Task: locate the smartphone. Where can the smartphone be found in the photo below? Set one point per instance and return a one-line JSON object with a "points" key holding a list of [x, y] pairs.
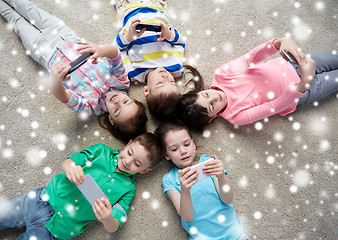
{"points": [[289, 56], [79, 62], [149, 27], [199, 167], [90, 189]]}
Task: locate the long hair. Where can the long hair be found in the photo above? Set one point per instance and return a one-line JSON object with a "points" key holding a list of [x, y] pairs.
{"points": [[193, 115], [127, 130], [164, 106]]}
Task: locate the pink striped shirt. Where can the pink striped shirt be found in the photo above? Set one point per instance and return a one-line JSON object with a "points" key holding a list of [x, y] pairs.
{"points": [[90, 83], [257, 91]]}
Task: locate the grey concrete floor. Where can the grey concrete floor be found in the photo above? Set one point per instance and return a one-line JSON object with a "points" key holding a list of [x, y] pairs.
{"points": [[284, 176]]}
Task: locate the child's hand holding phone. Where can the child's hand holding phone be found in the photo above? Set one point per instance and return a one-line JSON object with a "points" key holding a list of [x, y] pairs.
{"points": [[188, 177], [102, 209], [214, 167], [165, 33], [132, 33]]}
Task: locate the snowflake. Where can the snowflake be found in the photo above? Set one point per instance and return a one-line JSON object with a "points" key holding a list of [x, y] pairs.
{"points": [[257, 215], [301, 178], [35, 156], [146, 195]]}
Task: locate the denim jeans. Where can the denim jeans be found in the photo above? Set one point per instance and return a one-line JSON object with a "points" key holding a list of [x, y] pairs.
{"points": [[29, 211], [326, 77], [39, 31]]}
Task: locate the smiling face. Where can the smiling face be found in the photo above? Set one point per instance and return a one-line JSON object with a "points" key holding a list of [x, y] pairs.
{"points": [[160, 81], [121, 108], [134, 159], [179, 148], [212, 100]]}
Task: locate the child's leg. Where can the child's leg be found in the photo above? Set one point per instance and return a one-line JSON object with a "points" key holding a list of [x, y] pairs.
{"points": [[39, 39], [27, 211], [326, 78]]}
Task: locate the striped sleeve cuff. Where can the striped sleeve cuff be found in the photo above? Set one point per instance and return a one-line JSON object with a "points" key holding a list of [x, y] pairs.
{"points": [[121, 41]]}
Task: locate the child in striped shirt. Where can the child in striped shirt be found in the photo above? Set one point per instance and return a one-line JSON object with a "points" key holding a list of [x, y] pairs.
{"points": [[98, 88], [150, 57]]}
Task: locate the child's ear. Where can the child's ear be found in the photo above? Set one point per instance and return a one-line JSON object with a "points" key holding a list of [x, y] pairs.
{"points": [[212, 118], [130, 141], [146, 170], [145, 91], [111, 119], [166, 157]]}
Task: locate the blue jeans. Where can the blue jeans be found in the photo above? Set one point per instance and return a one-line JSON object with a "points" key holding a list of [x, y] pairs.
{"points": [[29, 211], [326, 77]]}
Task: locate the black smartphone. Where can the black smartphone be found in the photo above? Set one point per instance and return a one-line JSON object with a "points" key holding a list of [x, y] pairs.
{"points": [[79, 62], [149, 27], [289, 56]]}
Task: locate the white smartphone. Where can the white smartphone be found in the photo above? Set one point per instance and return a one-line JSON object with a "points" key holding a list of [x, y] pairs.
{"points": [[90, 189], [199, 167]]}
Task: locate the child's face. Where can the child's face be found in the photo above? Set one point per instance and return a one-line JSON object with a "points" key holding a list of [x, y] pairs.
{"points": [[120, 107], [179, 148], [134, 159], [160, 81], [211, 99]]}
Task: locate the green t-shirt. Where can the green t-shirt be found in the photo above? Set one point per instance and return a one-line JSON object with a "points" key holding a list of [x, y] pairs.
{"points": [[72, 210]]}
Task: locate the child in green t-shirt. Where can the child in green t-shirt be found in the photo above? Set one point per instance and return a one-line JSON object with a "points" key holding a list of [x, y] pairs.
{"points": [[60, 210]]}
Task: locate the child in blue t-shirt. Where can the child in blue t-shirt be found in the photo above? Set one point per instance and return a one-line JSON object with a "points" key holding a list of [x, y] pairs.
{"points": [[204, 206]]}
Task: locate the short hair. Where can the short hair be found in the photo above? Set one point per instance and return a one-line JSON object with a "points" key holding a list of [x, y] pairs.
{"points": [[193, 115], [152, 144], [163, 106], [127, 130], [166, 127]]}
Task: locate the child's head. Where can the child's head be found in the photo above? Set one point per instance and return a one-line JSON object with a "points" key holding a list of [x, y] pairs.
{"points": [[162, 93], [197, 109], [141, 154], [125, 119], [177, 142]]}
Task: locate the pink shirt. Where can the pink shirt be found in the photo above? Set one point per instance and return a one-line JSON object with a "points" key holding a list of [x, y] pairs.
{"points": [[257, 91]]}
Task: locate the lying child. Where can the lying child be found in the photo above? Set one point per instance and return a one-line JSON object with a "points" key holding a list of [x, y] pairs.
{"points": [[60, 210]]}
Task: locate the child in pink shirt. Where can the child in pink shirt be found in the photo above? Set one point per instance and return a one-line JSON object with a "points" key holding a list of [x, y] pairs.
{"points": [[243, 92]]}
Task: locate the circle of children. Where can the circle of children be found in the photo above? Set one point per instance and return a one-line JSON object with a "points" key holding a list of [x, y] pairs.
{"points": [[243, 91]]}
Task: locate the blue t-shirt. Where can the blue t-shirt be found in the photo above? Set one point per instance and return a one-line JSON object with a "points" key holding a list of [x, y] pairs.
{"points": [[213, 219]]}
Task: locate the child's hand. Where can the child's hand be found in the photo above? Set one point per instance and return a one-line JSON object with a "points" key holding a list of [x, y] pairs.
{"points": [[98, 51], [165, 33], [187, 177], [214, 167], [102, 209], [307, 72], [59, 72], [75, 174], [289, 45], [132, 34]]}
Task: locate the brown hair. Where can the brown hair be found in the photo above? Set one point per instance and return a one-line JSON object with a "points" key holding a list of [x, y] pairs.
{"points": [[195, 116], [166, 127], [152, 144], [127, 130], [164, 106]]}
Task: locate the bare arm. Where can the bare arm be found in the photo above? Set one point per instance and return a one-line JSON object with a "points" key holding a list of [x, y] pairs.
{"points": [[58, 75], [99, 51], [221, 182], [182, 200], [102, 209]]}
